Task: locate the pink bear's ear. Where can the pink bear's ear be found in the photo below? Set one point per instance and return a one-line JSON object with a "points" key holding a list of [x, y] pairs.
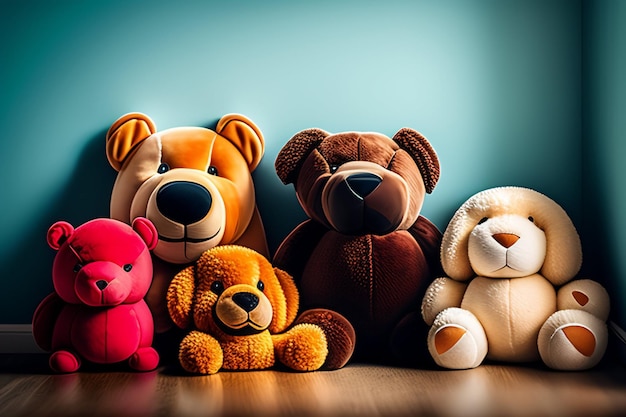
{"points": [[58, 234], [146, 229]]}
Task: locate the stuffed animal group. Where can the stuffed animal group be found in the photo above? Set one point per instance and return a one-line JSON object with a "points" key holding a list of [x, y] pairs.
{"points": [[366, 277]]}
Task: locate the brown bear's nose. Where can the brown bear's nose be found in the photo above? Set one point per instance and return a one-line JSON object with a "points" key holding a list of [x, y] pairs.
{"points": [[363, 184], [184, 202], [506, 239], [246, 300]]}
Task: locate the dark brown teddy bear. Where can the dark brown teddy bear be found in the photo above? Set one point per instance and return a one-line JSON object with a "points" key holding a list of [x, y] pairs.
{"points": [[365, 252]]}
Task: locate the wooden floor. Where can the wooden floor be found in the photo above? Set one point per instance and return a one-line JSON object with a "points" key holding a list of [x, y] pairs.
{"points": [[28, 389]]}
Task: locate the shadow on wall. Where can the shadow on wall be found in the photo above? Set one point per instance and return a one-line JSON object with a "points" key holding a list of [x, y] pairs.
{"points": [[84, 197]]}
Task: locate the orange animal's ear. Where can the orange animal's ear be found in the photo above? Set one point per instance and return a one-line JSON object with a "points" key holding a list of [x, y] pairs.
{"points": [[422, 153], [283, 318], [125, 134], [245, 135], [180, 296], [291, 156]]}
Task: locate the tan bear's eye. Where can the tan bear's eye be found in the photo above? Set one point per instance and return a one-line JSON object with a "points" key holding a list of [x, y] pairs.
{"points": [[212, 170], [163, 168]]}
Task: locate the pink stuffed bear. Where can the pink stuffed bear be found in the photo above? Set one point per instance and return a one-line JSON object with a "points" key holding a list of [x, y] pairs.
{"points": [[101, 273]]}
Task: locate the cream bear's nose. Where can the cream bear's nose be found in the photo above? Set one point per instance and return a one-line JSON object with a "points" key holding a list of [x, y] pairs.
{"points": [[506, 239]]}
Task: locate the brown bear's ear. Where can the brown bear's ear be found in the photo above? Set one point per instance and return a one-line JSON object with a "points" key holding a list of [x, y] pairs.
{"points": [[180, 296], [423, 153], [124, 134], [245, 135], [291, 156], [58, 233], [292, 302]]}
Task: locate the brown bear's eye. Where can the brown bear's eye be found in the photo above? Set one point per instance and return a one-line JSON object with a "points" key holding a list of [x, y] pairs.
{"points": [[260, 286], [333, 168], [128, 267], [217, 287], [163, 168], [77, 267], [212, 170], [484, 219]]}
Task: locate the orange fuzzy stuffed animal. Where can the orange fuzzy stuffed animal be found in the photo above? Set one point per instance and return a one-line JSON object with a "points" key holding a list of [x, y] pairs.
{"points": [[239, 309], [193, 183]]}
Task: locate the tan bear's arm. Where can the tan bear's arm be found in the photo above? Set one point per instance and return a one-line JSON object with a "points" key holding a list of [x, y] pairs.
{"points": [[441, 293], [586, 295]]}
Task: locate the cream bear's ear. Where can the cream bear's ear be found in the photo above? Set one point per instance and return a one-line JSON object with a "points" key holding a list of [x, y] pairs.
{"points": [[125, 134], [291, 156], [180, 296], [454, 246], [245, 135]]}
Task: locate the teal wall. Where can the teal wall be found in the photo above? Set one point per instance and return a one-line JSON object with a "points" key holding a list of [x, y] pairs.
{"points": [[495, 85], [604, 144]]}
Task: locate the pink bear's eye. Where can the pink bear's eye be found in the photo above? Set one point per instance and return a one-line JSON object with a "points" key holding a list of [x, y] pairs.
{"points": [[128, 267], [77, 267]]}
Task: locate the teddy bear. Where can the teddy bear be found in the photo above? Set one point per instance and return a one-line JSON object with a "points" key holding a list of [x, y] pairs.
{"points": [[511, 256], [193, 183], [238, 310], [365, 250], [101, 273]]}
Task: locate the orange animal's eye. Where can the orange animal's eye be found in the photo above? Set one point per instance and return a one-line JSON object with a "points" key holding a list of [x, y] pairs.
{"points": [[260, 286], [217, 287]]}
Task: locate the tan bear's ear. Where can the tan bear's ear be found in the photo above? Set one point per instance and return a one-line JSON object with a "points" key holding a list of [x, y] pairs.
{"points": [[245, 135], [180, 296], [291, 156], [283, 319], [422, 152], [125, 134]]}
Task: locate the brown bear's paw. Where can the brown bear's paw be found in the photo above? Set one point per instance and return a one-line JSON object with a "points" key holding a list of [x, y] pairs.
{"points": [[572, 340], [303, 348], [201, 354], [339, 334], [457, 340]]}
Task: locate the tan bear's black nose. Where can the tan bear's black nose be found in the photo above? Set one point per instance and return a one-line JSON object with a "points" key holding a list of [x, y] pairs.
{"points": [[184, 202], [506, 239]]}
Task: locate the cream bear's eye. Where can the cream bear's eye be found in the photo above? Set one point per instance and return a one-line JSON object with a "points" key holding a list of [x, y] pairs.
{"points": [[531, 218], [163, 168], [484, 219]]}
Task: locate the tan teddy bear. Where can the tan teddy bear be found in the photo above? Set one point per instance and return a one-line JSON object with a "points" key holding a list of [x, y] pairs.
{"points": [[193, 183], [510, 254]]}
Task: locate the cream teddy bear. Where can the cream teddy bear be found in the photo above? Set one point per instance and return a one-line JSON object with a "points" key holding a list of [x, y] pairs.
{"points": [[510, 255]]}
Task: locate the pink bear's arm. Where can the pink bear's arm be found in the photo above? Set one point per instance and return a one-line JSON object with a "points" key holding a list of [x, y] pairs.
{"points": [[44, 320], [146, 324]]}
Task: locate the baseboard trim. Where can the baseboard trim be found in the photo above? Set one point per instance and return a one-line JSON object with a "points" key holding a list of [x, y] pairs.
{"points": [[17, 338]]}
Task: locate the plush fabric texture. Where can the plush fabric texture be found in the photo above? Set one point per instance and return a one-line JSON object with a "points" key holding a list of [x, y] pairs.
{"points": [[193, 183], [239, 312], [507, 252], [101, 273], [365, 252]]}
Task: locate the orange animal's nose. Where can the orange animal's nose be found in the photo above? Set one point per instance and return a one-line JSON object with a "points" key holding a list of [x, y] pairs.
{"points": [[506, 239]]}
